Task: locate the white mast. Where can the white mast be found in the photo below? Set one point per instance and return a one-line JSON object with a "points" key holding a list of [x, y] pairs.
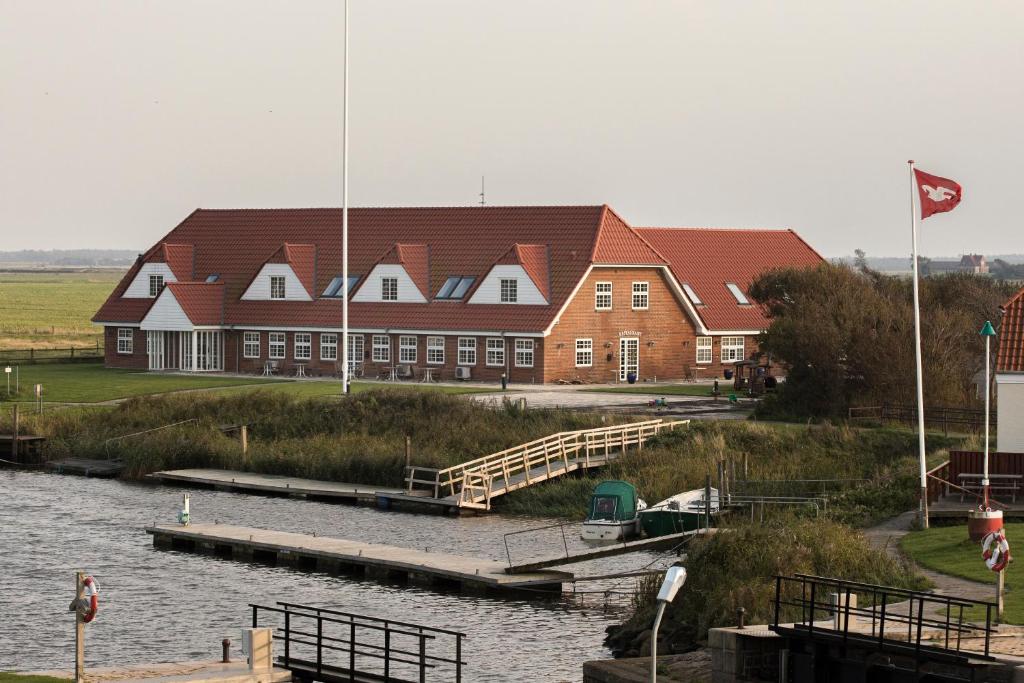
{"points": [[917, 357], [344, 222]]}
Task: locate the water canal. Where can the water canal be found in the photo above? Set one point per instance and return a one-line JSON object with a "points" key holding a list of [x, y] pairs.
{"points": [[161, 606]]}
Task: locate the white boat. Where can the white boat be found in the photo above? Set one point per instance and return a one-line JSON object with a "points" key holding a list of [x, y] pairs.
{"points": [[681, 512], [613, 512]]}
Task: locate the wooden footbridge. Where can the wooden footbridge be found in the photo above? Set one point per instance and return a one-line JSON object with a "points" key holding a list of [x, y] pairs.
{"points": [[476, 483]]}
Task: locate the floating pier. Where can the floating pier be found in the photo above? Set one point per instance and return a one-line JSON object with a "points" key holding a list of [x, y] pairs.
{"points": [[271, 484], [87, 468], [336, 555]]}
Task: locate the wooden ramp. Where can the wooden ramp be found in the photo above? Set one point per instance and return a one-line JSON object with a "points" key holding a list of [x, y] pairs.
{"points": [[342, 556], [476, 483], [656, 543], [272, 484]]}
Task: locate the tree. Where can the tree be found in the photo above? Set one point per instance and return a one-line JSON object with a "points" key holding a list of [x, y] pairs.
{"points": [[860, 260]]}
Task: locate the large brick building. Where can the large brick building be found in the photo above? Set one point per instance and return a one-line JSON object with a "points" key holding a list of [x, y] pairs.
{"points": [[539, 293]]}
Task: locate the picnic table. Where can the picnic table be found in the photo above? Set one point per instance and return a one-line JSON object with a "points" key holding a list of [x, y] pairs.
{"points": [[998, 484]]}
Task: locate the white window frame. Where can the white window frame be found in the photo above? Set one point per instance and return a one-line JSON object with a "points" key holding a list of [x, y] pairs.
{"points": [[328, 346], [524, 353], [731, 350], [692, 295], [156, 283], [388, 288], [737, 293], [277, 340], [251, 345], [467, 351], [302, 343], [705, 350], [508, 289], [435, 350], [407, 349], [356, 341], [278, 279], [494, 352], [585, 353], [125, 341], [641, 299], [381, 348], [600, 296]]}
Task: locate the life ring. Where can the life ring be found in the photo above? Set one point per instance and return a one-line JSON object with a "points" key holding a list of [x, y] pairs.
{"points": [[996, 551], [91, 593]]}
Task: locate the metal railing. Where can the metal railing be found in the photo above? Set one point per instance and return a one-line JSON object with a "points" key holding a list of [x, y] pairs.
{"points": [[936, 626], [475, 482], [334, 646]]}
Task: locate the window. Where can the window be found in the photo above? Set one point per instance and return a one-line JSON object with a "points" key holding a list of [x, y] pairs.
{"points": [[732, 349], [156, 283], [125, 340], [640, 296], [381, 348], [495, 351], [524, 353], [703, 349], [692, 295], [303, 345], [435, 350], [328, 346], [467, 350], [584, 353], [334, 287], [603, 296], [389, 289], [509, 291], [277, 286], [276, 345], [212, 277], [407, 349], [356, 349], [251, 345], [741, 298], [455, 287]]}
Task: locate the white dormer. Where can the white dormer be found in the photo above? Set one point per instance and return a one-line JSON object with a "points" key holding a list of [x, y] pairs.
{"points": [[389, 282], [149, 281], [508, 284], [166, 314], [276, 281]]}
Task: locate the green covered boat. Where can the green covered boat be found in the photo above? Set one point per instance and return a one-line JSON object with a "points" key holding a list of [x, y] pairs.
{"points": [[612, 514], [682, 512]]}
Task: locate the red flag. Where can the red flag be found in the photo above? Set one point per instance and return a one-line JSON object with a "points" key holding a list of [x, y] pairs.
{"points": [[937, 194]]}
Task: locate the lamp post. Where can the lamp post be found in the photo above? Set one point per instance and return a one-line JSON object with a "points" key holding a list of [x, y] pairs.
{"points": [[984, 520], [675, 577]]}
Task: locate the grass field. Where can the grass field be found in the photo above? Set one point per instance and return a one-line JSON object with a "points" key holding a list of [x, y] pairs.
{"points": [[946, 549], [46, 310], [92, 383], [10, 677]]}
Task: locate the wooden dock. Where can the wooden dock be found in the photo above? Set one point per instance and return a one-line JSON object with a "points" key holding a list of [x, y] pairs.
{"points": [[610, 550], [340, 556], [272, 484], [87, 468]]}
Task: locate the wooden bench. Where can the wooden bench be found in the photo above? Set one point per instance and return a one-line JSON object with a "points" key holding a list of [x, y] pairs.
{"points": [[998, 484]]}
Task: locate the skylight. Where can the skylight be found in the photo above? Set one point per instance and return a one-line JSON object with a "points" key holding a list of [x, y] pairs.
{"points": [[213, 277], [455, 287], [692, 295], [741, 298], [333, 290]]}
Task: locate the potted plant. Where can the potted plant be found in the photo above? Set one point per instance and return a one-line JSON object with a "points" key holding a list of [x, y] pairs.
{"points": [[631, 377]]}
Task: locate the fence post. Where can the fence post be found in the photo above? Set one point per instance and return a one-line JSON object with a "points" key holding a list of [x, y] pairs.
{"points": [[14, 436], [423, 658]]}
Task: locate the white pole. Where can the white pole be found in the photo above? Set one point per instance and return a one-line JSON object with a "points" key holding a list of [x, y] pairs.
{"points": [[984, 481], [344, 221], [654, 640], [917, 356]]}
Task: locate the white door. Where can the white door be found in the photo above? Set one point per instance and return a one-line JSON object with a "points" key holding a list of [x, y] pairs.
{"points": [[155, 349], [629, 357]]}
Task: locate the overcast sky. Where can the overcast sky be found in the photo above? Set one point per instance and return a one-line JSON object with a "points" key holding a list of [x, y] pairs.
{"points": [[118, 118]]}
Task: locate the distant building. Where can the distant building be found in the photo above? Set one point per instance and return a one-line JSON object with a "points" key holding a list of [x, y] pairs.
{"points": [[1010, 378], [540, 294], [968, 263]]}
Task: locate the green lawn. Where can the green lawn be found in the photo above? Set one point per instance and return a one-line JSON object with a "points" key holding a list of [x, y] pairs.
{"points": [[10, 677], [946, 549], [92, 383], [663, 389]]}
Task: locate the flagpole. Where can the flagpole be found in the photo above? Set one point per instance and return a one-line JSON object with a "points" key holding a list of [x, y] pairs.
{"points": [[917, 356], [344, 222]]}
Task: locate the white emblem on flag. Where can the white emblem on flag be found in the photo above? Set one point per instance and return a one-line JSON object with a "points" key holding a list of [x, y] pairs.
{"points": [[938, 194]]}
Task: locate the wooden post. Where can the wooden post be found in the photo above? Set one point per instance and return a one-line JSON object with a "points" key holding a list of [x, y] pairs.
{"points": [[14, 436], [999, 594], [408, 452], [707, 502], [79, 629], [243, 434], [721, 481], [746, 475]]}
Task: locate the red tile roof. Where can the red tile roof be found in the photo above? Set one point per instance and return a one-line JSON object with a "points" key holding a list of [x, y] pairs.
{"points": [[1010, 355], [617, 243], [708, 258], [302, 259], [534, 260], [203, 302], [178, 258], [415, 259]]}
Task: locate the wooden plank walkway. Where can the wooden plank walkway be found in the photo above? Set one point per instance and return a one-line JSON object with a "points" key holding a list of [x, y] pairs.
{"points": [[950, 507], [343, 556], [272, 484], [656, 543]]}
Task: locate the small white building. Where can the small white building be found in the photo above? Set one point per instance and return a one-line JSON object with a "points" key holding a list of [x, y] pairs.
{"points": [[1010, 378]]}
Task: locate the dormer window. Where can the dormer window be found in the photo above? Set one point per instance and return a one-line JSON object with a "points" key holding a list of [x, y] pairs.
{"points": [[213, 277], [156, 283], [692, 295], [509, 291], [334, 289], [455, 287], [741, 298], [389, 289], [277, 286]]}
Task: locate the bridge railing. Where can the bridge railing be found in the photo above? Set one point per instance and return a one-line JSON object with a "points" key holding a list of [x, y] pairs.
{"points": [[333, 646], [477, 480]]}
